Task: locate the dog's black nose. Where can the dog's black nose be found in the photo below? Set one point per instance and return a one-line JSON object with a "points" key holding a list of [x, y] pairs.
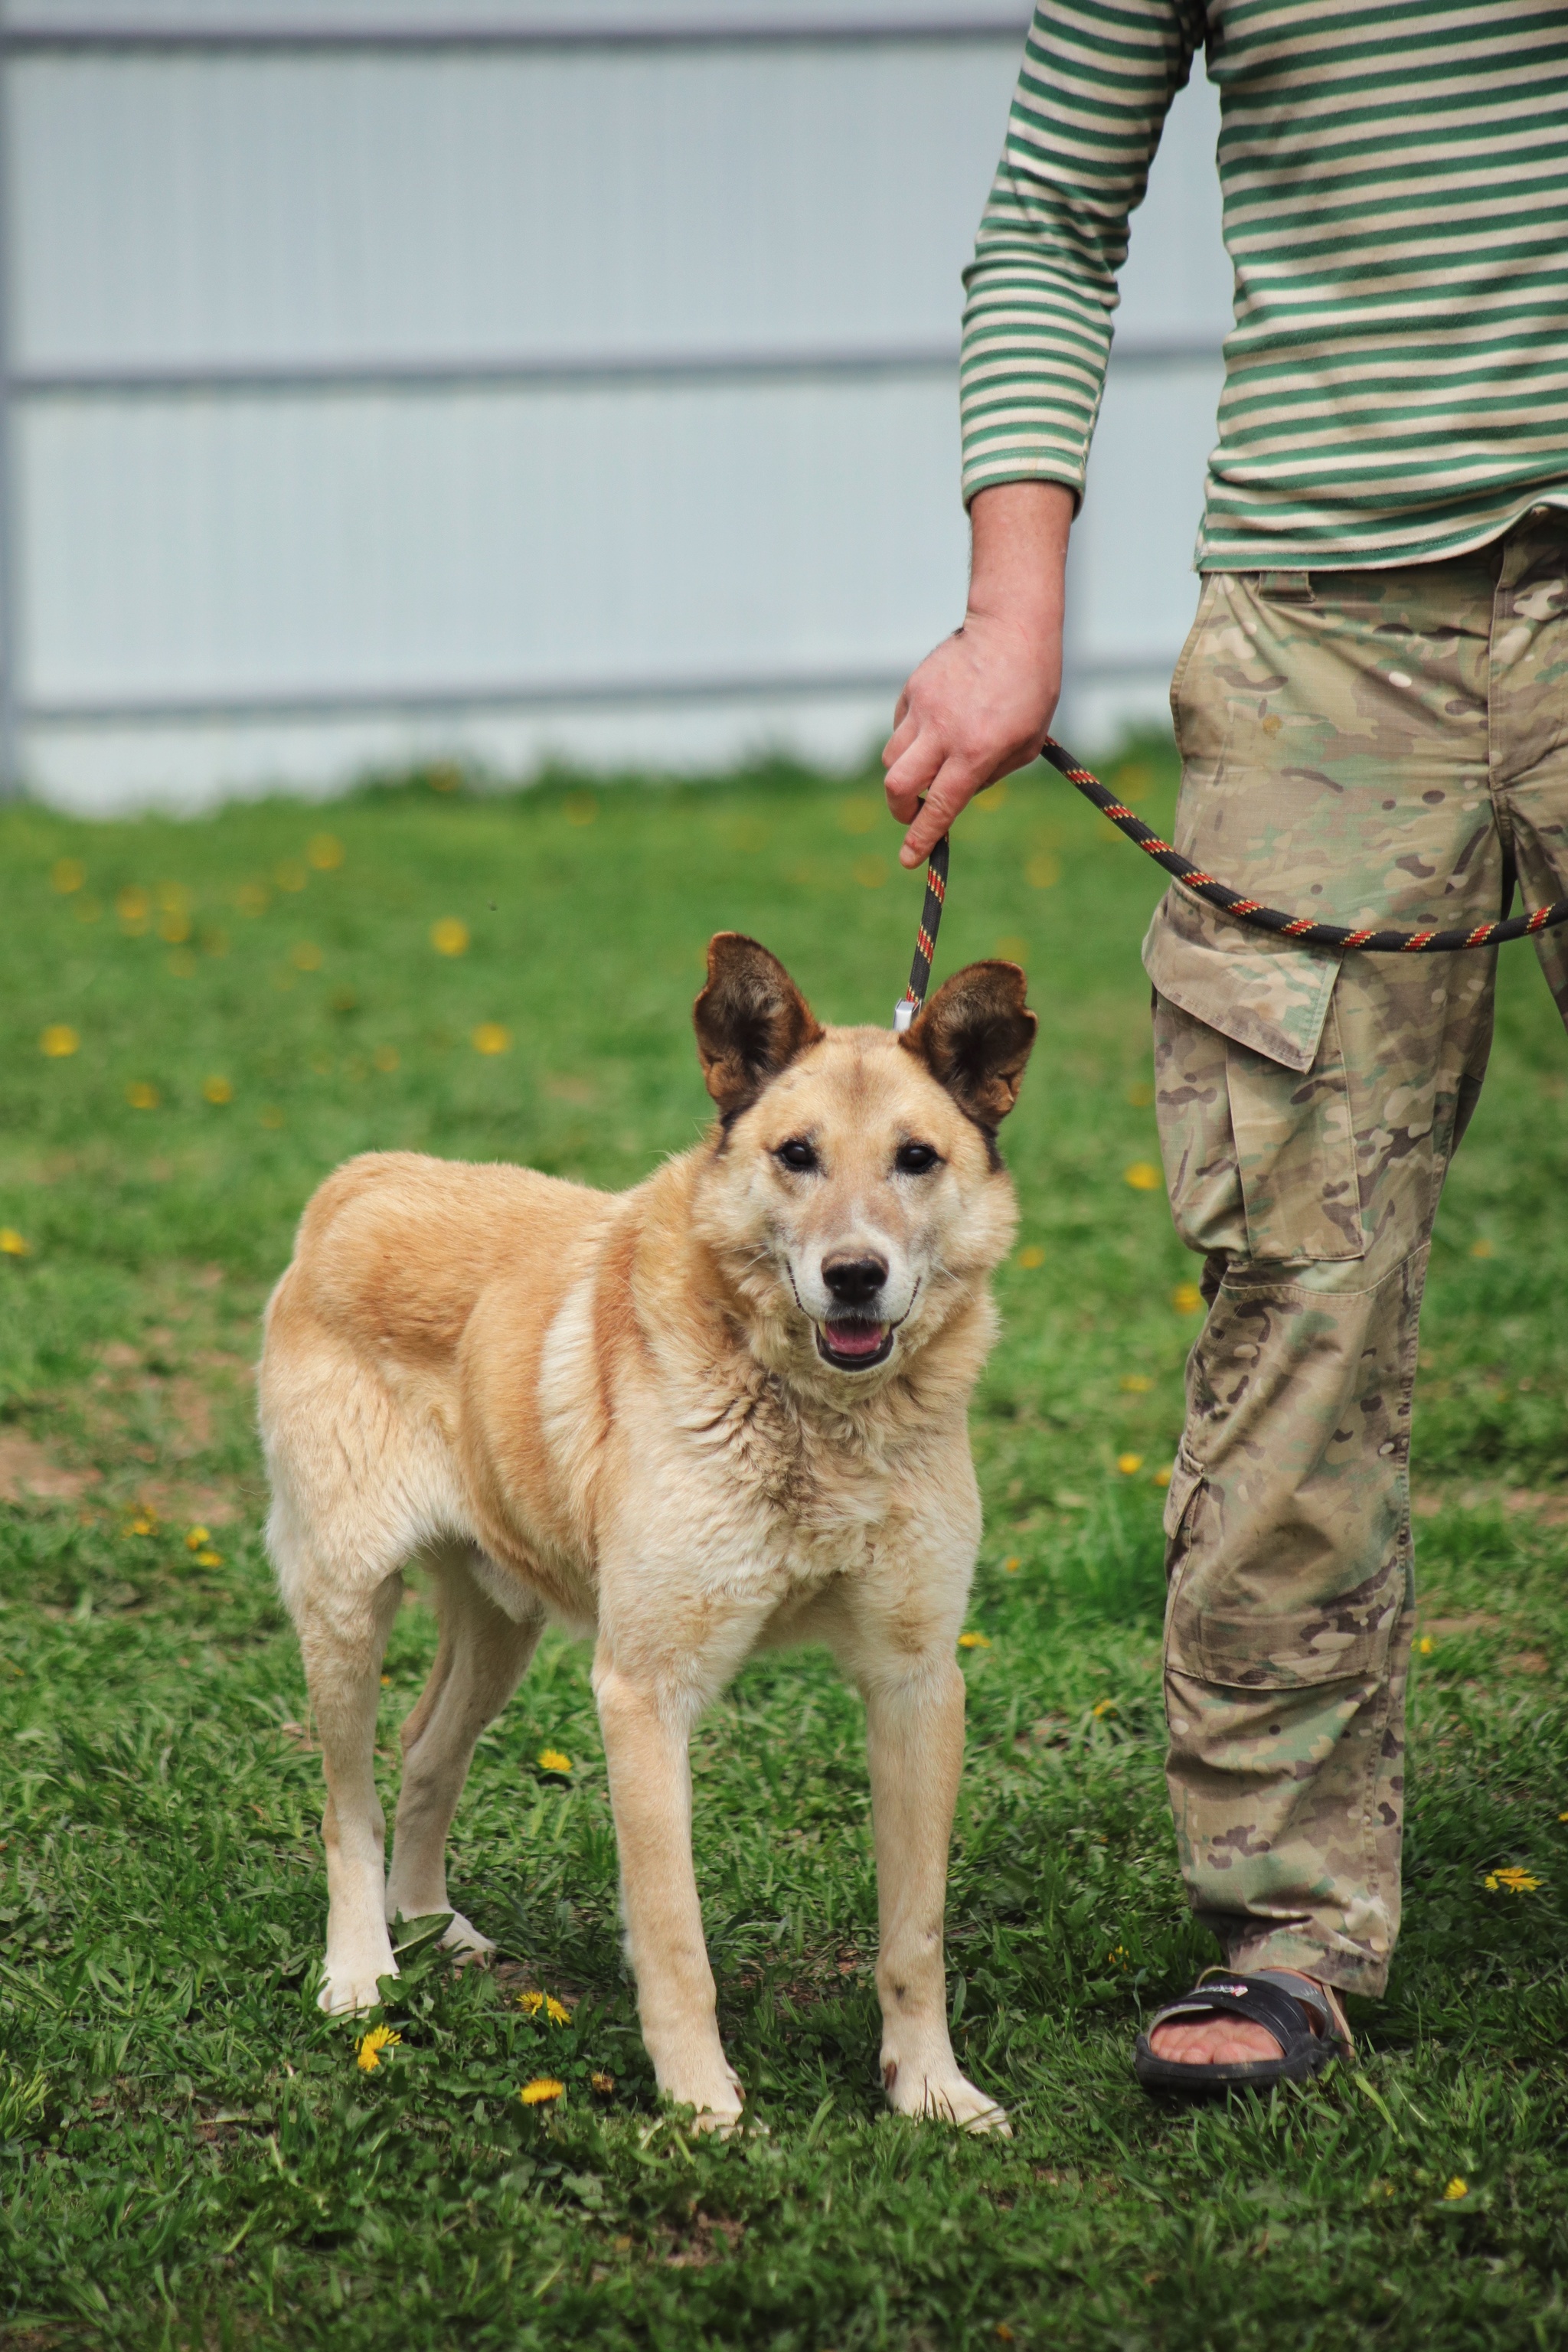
{"points": [[854, 1280]]}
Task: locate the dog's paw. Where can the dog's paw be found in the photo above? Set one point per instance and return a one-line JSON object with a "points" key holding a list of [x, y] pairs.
{"points": [[944, 2093], [349, 1991], [464, 1938], [716, 2099]]}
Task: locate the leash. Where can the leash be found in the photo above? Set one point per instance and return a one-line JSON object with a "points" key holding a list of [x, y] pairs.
{"points": [[1304, 929]]}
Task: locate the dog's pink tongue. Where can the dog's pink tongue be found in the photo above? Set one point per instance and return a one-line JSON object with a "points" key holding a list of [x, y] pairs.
{"points": [[854, 1339]]}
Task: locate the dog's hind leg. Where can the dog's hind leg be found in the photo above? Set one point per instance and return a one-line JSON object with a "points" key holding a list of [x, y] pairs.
{"points": [[483, 1652], [343, 1635]]}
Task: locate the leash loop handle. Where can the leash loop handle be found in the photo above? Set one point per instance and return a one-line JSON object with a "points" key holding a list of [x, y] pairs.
{"points": [[1303, 930]]}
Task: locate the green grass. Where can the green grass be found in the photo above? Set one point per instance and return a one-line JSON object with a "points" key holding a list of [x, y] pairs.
{"points": [[191, 2155]]}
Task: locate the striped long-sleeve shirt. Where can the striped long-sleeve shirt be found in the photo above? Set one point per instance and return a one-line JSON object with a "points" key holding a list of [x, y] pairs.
{"points": [[1396, 188]]}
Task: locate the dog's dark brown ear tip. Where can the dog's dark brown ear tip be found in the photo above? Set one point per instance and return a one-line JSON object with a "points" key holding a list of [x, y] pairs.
{"points": [[750, 1021], [975, 1036]]}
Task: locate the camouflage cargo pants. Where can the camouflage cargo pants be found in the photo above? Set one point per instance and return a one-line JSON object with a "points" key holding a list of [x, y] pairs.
{"points": [[1387, 747]]}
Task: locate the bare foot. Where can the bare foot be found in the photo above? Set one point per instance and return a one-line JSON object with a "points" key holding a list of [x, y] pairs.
{"points": [[1224, 2040]]}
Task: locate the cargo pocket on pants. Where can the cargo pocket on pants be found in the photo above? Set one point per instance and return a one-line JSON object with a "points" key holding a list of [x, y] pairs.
{"points": [[1295, 1155], [1345, 1640]]}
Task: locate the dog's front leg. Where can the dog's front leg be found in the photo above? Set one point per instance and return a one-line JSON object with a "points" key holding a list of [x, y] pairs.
{"points": [[647, 1751], [914, 1735]]}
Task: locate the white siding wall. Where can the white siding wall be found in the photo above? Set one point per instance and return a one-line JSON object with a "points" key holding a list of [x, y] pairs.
{"points": [[707, 495]]}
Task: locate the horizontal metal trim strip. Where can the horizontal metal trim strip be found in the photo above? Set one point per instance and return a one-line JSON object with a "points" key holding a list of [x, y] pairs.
{"points": [[1121, 669], [248, 381], [1005, 23], [423, 376], [440, 701]]}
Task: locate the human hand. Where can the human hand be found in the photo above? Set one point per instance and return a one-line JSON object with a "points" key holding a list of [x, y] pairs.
{"points": [[980, 705]]}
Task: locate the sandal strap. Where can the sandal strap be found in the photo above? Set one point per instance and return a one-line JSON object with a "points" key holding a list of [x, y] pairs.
{"points": [[1269, 1999]]}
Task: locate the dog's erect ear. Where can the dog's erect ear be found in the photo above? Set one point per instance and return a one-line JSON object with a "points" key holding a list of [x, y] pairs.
{"points": [[975, 1036], [750, 1021]]}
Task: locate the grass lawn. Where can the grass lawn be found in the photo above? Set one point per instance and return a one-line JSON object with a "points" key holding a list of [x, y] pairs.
{"points": [[191, 2155]]}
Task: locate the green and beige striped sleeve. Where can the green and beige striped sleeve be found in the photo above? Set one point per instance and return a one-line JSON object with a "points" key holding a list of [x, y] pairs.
{"points": [[1097, 79]]}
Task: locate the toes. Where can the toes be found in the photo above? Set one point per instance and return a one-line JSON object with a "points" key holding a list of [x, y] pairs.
{"points": [[342, 1995], [463, 1936]]}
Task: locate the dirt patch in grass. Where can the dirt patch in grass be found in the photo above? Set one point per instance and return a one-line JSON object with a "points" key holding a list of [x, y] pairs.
{"points": [[30, 1473]]}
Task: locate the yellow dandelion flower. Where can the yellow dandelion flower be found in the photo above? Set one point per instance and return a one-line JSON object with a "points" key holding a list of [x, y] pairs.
{"points": [[555, 2011], [68, 873], [1031, 1256], [543, 2088], [305, 956], [1163, 1476], [209, 1558], [1186, 1298], [141, 1095], [601, 2083], [218, 1090], [489, 1037], [174, 928], [11, 1242], [1011, 1565], [367, 2054], [1043, 872], [1102, 1708], [1136, 1384], [444, 778], [1117, 1958], [324, 851], [133, 904], [251, 898], [1425, 1645], [581, 808], [550, 1759], [1011, 947], [385, 1057], [449, 937], [1562, 1817], [1130, 1464], [197, 1537], [974, 1641], [59, 1040], [271, 1116], [1511, 1881], [1455, 2190], [1483, 1248], [1144, 1176], [870, 873]]}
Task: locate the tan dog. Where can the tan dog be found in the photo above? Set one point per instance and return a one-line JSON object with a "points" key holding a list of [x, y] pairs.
{"points": [[726, 1409]]}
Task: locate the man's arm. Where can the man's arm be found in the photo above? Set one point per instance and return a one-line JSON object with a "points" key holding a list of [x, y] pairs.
{"points": [[978, 707], [1097, 82]]}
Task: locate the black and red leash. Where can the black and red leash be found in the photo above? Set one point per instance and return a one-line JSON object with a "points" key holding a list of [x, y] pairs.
{"points": [[1304, 930]]}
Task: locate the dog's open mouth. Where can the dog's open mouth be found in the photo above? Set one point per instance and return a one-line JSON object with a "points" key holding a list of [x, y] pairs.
{"points": [[852, 1344]]}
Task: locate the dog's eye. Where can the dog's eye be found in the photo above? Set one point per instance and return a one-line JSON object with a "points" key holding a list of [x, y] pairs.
{"points": [[796, 1154], [915, 1159]]}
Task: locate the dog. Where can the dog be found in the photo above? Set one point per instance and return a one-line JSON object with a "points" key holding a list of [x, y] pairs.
{"points": [[725, 1410]]}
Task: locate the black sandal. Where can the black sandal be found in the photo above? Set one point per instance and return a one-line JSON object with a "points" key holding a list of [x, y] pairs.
{"points": [[1270, 1998]]}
